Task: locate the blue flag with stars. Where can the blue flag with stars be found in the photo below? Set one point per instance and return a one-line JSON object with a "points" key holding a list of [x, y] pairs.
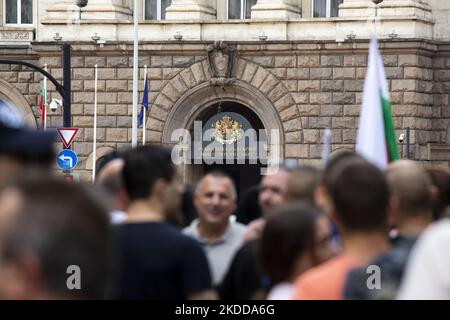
{"points": [[144, 105]]}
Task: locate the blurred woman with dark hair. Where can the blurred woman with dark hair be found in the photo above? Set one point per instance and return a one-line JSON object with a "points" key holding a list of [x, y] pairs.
{"points": [[297, 237]]}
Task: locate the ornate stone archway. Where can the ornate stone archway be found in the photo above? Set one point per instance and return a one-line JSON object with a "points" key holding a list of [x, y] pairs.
{"points": [[10, 94], [194, 89], [195, 101], [190, 106]]}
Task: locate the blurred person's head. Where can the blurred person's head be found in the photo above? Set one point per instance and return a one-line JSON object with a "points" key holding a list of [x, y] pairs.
{"points": [[48, 228], [322, 195], [151, 177], [249, 209], [360, 197], [411, 193], [302, 184], [111, 178], [296, 238], [273, 190], [187, 208], [446, 213], [440, 178], [22, 148], [215, 200], [107, 158]]}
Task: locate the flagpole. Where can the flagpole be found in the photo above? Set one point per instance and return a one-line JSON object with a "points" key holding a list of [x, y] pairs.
{"points": [[326, 146], [45, 100], [145, 110], [376, 2], [135, 76], [375, 21], [94, 153]]}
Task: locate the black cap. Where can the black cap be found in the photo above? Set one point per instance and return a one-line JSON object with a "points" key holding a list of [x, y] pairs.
{"points": [[18, 139]]}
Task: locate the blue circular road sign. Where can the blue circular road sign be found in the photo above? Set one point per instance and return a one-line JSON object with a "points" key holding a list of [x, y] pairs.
{"points": [[66, 159]]}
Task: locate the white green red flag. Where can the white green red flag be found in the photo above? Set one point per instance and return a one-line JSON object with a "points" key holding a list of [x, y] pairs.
{"points": [[43, 103], [376, 135]]}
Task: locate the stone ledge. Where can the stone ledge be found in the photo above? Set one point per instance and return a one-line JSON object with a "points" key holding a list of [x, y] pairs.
{"points": [[438, 151], [406, 26], [49, 21], [249, 49]]}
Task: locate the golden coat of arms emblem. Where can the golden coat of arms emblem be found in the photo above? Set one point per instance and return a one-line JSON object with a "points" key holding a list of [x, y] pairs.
{"points": [[226, 130]]}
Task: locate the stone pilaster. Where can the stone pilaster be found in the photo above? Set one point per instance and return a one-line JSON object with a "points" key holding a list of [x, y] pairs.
{"points": [[394, 19], [190, 10], [276, 9], [95, 10], [388, 8], [357, 8], [107, 9]]}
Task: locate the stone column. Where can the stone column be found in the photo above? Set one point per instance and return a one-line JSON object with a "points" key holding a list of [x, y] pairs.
{"points": [[395, 19], [107, 9], [62, 10], [366, 8], [190, 10], [95, 10], [355, 8], [276, 9]]}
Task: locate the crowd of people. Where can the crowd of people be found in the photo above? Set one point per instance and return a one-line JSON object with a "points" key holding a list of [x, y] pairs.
{"points": [[344, 231]]}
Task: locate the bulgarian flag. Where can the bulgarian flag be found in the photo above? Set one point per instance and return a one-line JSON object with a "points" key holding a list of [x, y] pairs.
{"points": [[43, 103], [376, 135]]}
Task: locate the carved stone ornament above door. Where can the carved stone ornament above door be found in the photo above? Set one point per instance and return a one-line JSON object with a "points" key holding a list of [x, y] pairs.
{"points": [[221, 59]]}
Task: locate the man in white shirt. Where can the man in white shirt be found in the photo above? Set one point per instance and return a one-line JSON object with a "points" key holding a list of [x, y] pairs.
{"points": [[428, 271], [220, 236]]}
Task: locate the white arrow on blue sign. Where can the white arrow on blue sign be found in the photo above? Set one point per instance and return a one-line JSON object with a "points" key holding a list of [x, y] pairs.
{"points": [[66, 159]]}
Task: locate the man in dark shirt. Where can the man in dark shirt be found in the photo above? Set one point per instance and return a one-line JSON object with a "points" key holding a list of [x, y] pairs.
{"points": [[411, 212], [158, 261], [244, 279]]}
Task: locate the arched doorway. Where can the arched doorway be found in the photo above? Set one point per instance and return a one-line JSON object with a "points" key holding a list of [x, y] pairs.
{"points": [[201, 102], [11, 95], [243, 163]]}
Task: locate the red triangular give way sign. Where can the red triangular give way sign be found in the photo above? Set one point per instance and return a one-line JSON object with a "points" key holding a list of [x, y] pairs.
{"points": [[67, 135]]}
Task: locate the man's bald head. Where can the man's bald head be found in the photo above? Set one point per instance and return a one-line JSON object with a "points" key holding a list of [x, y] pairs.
{"points": [[111, 178], [274, 190], [215, 199], [111, 175], [411, 188], [220, 176]]}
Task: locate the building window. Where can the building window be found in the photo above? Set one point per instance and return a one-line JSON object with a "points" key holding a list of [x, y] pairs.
{"points": [[326, 8], [155, 9], [240, 9], [18, 11]]}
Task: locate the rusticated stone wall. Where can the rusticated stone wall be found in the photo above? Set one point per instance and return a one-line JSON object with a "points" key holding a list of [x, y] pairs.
{"points": [[312, 86]]}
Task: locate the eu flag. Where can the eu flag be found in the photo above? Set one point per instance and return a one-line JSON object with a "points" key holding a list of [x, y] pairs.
{"points": [[144, 105]]}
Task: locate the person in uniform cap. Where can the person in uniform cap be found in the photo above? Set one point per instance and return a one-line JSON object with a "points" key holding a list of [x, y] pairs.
{"points": [[22, 147]]}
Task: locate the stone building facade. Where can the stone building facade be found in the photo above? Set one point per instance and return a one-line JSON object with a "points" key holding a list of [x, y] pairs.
{"points": [[293, 72]]}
